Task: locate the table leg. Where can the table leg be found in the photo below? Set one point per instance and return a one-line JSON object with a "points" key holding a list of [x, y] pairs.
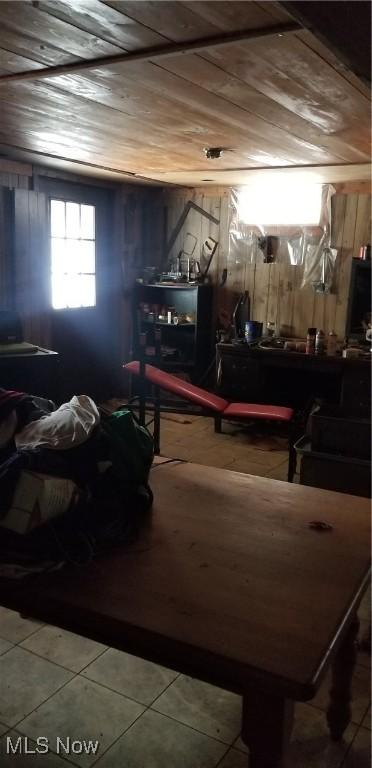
{"points": [[266, 728], [339, 710]]}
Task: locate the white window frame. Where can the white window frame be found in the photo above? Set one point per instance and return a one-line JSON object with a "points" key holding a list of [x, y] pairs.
{"points": [[72, 273]]}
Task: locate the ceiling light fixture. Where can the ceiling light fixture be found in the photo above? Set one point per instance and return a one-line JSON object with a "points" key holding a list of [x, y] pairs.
{"points": [[213, 153]]}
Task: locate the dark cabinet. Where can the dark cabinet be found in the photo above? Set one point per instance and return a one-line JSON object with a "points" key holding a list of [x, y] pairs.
{"points": [[288, 378], [185, 345], [359, 304]]}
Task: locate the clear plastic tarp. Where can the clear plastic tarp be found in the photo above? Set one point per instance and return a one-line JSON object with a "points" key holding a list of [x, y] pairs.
{"points": [[289, 226]]}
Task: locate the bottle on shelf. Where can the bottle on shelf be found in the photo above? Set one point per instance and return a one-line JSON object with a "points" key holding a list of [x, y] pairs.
{"points": [[310, 341], [332, 344], [270, 329], [320, 342]]}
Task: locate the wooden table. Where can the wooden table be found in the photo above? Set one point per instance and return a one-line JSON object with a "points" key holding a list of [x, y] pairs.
{"points": [[36, 373], [229, 584]]}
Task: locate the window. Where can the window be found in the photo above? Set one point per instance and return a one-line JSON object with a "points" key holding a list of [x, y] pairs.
{"points": [[73, 254], [280, 204]]}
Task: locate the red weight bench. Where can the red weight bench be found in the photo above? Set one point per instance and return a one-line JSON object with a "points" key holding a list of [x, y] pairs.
{"points": [[212, 405]]}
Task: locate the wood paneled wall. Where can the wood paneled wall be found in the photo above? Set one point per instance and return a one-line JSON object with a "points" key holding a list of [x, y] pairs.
{"points": [[14, 175], [274, 289], [6, 250], [137, 240]]}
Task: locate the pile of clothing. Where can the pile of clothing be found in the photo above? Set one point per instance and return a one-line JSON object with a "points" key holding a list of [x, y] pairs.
{"points": [[71, 483]]}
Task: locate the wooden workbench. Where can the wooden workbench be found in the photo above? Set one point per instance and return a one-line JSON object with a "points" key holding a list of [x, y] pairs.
{"points": [[255, 374], [228, 583]]}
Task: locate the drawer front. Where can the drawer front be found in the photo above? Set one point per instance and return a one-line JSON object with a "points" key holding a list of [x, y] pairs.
{"points": [[239, 379]]}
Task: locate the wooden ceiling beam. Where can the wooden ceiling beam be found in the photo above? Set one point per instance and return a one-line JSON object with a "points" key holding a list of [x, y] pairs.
{"points": [[154, 53]]}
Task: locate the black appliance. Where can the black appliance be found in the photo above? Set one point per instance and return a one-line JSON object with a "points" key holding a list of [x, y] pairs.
{"points": [[10, 327]]}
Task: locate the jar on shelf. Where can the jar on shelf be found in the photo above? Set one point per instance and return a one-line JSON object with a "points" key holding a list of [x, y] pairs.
{"points": [[320, 343], [270, 329], [310, 341], [332, 344]]}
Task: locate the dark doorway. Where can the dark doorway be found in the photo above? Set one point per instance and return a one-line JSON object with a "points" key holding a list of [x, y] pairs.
{"points": [[86, 337]]}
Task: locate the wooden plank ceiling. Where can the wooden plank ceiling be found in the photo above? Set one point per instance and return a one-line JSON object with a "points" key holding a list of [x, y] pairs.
{"points": [[275, 101]]}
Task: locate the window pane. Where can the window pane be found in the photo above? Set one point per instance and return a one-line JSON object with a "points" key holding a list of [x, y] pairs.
{"points": [[72, 220], [59, 291], [62, 255], [87, 225], [73, 298], [84, 256], [71, 291], [57, 218], [87, 290]]}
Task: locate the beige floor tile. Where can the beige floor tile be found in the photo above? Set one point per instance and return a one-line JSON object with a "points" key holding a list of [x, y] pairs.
{"points": [[155, 741], [169, 450], [359, 755], [200, 424], [134, 677], [213, 457], [5, 646], [209, 709], [83, 710], [175, 432], [311, 745], [187, 429], [9, 759], [26, 681], [65, 648], [236, 449], [360, 694], [234, 759], [207, 442], [280, 472], [268, 459], [14, 628], [174, 451]]}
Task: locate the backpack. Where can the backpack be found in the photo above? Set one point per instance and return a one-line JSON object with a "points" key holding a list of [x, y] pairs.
{"points": [[130, 447], [111, 510]]}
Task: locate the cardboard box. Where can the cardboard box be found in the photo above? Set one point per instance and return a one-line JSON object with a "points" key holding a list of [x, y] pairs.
{"points": [[37, 499]]}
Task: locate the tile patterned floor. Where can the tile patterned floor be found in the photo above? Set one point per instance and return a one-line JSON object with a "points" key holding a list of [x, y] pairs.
{"points": [[56, 684]]}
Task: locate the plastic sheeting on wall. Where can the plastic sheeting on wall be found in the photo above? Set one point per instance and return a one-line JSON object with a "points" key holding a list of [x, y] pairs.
{"points": [[309, 246]]}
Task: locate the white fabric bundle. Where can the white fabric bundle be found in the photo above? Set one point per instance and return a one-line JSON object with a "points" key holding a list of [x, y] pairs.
{"points": [[68, 426]]}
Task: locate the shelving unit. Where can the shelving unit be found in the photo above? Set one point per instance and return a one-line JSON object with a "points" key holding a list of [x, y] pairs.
{"points": [[185, 346]]}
